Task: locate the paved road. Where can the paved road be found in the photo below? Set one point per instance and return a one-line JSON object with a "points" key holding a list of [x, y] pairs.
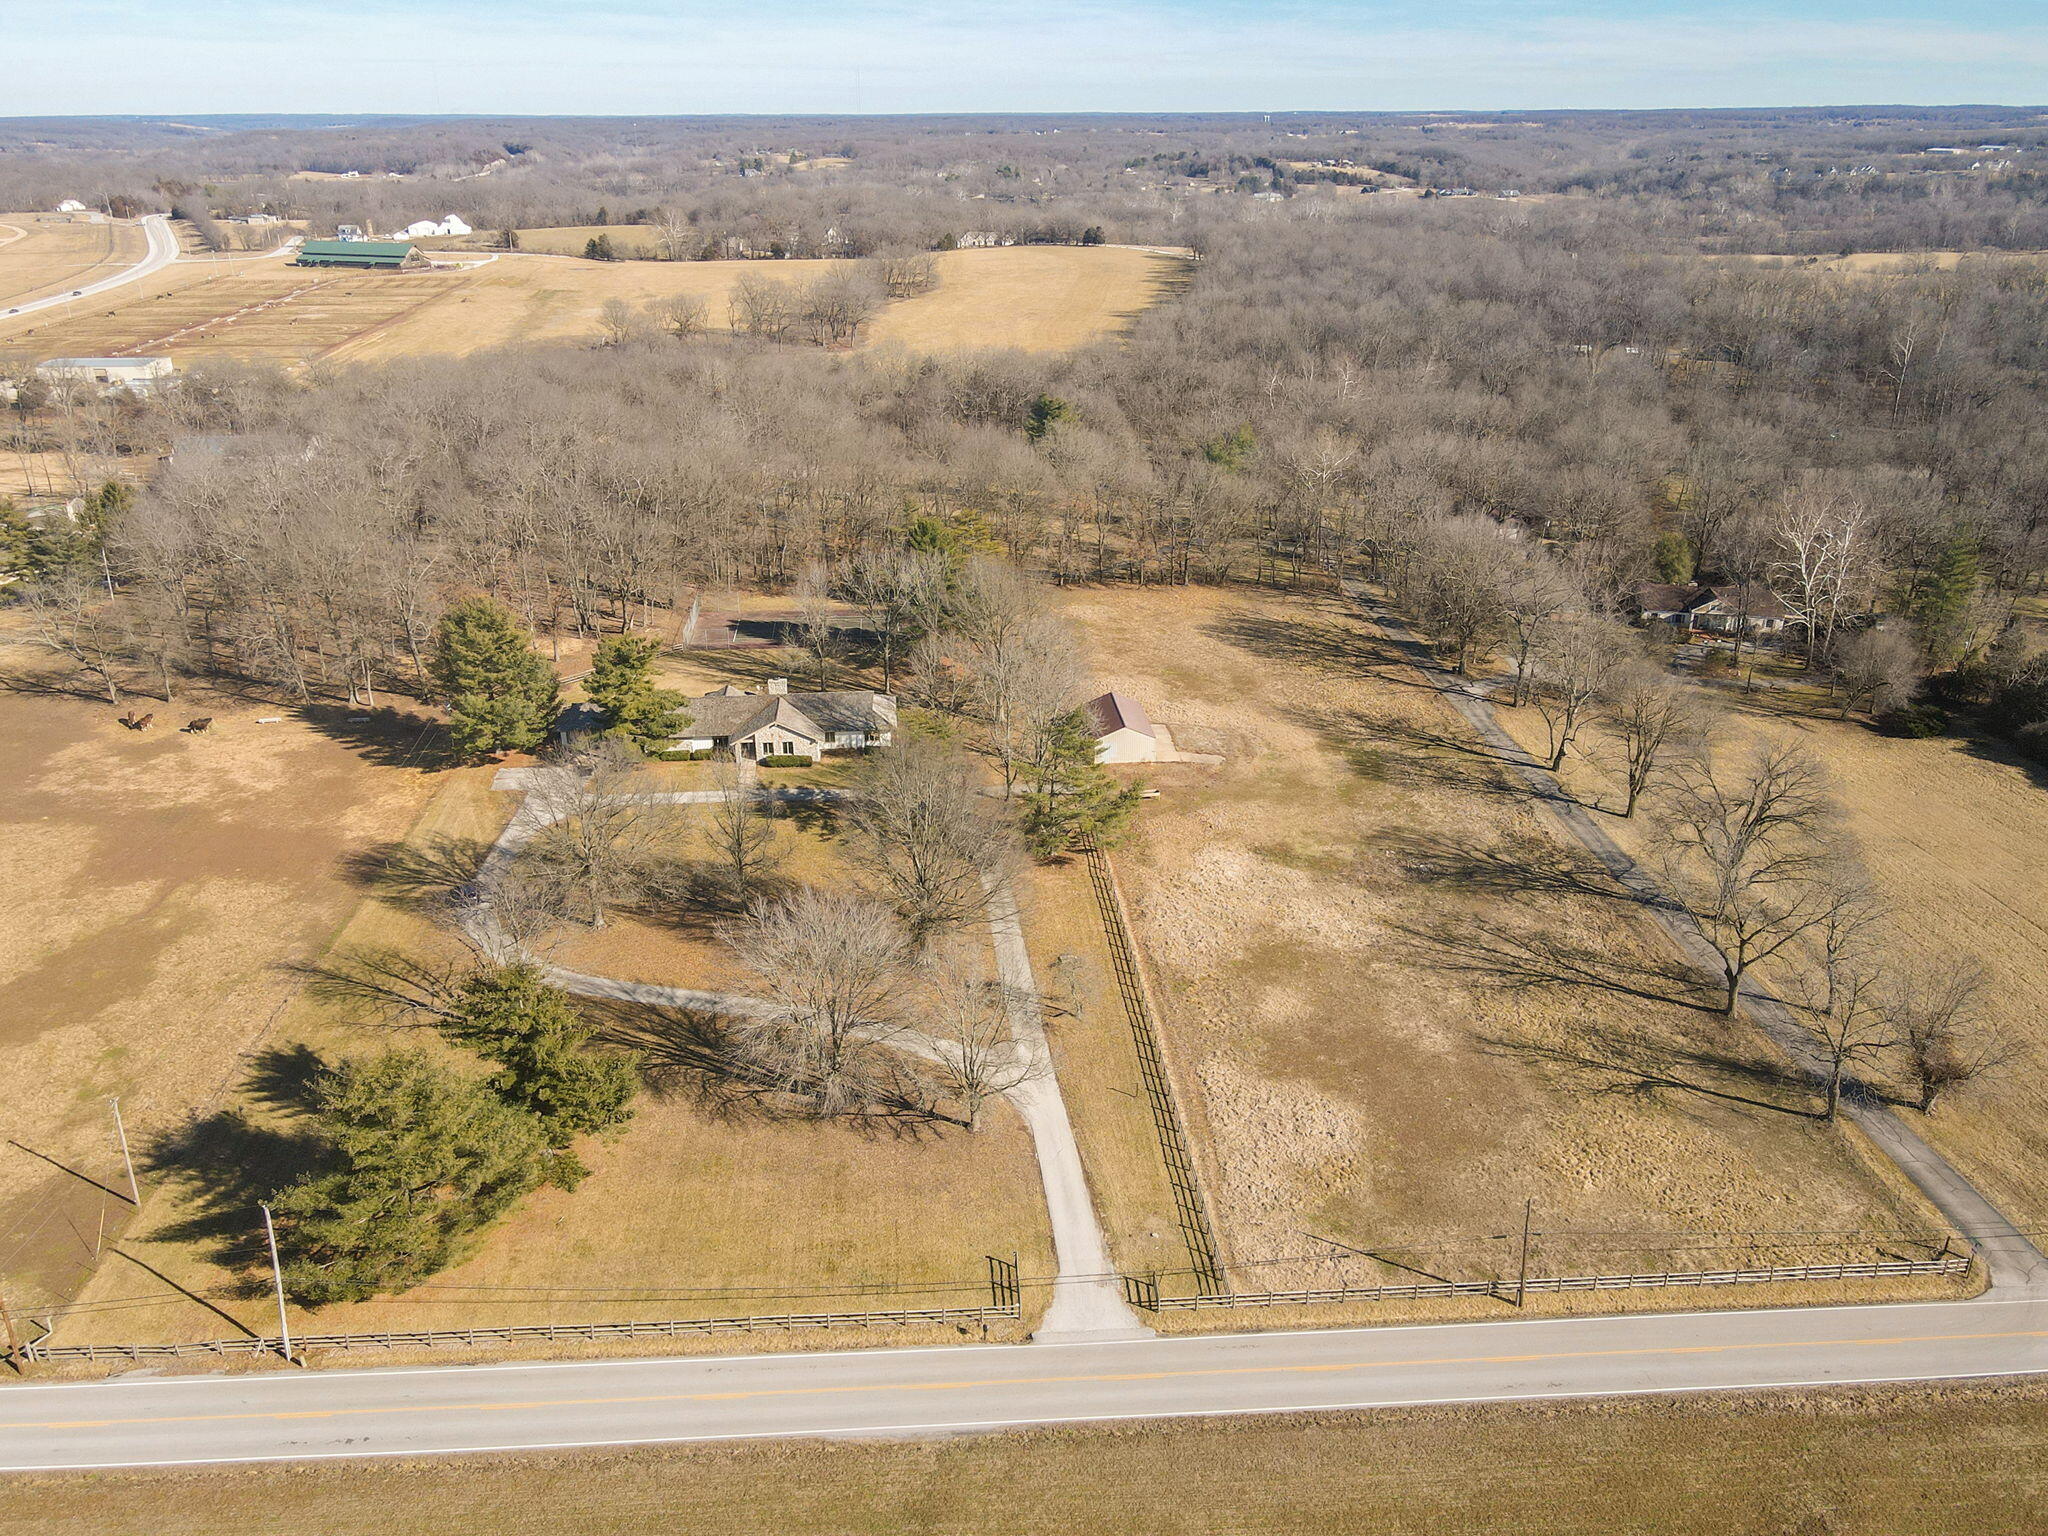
{"points": [[163, 250], [2014, 1262], [320, 1414]]}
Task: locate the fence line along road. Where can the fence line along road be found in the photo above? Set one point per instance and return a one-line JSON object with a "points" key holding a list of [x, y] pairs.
{"points": [[1189, 1204], [1143, 1292]]}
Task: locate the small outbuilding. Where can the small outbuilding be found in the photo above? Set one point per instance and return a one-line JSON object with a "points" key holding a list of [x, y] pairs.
{"points": [[1123, 732], [137, 375]]}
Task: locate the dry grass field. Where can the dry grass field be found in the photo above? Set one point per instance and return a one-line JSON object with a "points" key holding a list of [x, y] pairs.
{"points": [[46, 253], [1332, 916], [1962, 1460], [151, 887], [704, 1207], [1035, 298], [1952, 831], [1878, 263]]}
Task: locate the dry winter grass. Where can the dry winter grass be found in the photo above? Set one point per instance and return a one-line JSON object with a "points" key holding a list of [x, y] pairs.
{"points": [[1396, 1007], [704, 1207], [1037, 298], [1952, 832], [151, 887], [43, 253], [1930, 1460]]}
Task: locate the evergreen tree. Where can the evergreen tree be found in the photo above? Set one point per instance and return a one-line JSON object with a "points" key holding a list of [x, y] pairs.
{"points": [[1677, 560], [543, 1050], [17, 541], [600, 249], [1047, 412], [621, 683], [1068, 797], [501, 695], [1942, 611], [418, 1158]]}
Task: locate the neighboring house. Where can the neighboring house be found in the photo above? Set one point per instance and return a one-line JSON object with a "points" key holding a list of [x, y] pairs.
{"points": [[1122, 732], [71, 205], [376, 255], [1721, 610], [778, 723], [138, 375]]}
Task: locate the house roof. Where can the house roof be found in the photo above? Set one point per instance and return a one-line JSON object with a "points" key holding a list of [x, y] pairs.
{"points": [[728, 712], [1751, 600], [1114, 712], [1665, 596]]}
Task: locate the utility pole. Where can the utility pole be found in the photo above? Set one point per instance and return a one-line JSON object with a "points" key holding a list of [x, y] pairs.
{"points": [[13, 1339], [1522, 1279], [284, 1328], [120, 1130]]}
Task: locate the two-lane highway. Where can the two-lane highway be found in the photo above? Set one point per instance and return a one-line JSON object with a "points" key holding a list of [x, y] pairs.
{"points": [[161, 252], [435, 1410]]}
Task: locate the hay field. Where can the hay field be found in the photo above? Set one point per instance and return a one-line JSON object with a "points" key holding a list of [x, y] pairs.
{"points": [[1958, 1459], [43, 253], [1036, 298], [1952, 831], [151, 887], [1327, 915]]}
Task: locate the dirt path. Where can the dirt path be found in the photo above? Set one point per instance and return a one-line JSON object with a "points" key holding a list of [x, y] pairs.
{"points": [[2017, 1267]]}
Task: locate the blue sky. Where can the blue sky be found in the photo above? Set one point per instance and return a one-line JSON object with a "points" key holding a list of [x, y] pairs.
{"points": [[681, 56]]}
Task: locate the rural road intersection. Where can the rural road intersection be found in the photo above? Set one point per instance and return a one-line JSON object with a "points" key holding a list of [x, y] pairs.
{"points": [[314, 1415]]}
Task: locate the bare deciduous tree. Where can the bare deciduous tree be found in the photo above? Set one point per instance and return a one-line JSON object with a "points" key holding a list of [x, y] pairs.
{"points": [[1651, 715], [1753, 854], [738, 832], [1942, 1033], [1841, 999], [1575, 663], [600, 835], [70, 615], [923, 837], [835, 967], [967, 1021], [1879, 668]]}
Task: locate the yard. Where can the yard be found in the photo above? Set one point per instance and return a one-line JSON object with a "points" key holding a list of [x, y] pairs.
{"points": [[705, 1206], [1370, 954]]}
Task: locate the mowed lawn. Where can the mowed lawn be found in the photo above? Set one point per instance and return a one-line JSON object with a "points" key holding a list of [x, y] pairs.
{"points": [[1954, 833], [1328, 915], [1930, 1460], [706, 1206], [1032, 297]]}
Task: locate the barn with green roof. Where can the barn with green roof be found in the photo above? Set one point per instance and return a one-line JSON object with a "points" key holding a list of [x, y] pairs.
{"points": [[372, 255]]}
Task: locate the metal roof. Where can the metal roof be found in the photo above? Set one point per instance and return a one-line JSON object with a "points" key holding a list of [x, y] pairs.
{"points": [[1114, 712], [398, 248], [103, 362]]}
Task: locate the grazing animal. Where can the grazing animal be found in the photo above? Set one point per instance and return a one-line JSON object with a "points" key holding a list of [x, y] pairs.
{"points": [[196, 726], [143, 723], [136, 722]]}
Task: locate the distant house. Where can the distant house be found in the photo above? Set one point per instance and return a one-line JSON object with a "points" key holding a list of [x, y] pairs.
{"points": [[778, 723], [1123, 733], [371, 255], [137, 375], [71, 205], [1748, 607]]}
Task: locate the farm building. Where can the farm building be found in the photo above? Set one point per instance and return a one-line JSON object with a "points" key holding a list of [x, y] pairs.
{"points": [[426, 229], [1122, 731], [373, 255], [136, 374]]}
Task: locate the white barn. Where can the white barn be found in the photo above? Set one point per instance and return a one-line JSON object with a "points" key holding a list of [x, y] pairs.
{"points": [[426, 229], [1123, 733]]}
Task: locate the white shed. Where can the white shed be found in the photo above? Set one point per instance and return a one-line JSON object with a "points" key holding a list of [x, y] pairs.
{"points": [[1123, 734]]}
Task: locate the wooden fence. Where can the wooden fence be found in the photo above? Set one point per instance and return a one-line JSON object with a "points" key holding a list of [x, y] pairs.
{"points": [[1143, 1291], [1189, 1206]]}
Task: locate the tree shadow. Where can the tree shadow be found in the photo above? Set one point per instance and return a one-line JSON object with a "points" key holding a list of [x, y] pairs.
{"points": [[1519, 864], [384, 734], [228, 1163], [690, 1055], [1404, 752], [1540, 958], [1618, 1061], [424, 876], [1322, 644]]}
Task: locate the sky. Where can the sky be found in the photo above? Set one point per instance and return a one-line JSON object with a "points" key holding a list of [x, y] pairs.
{"points": [[88, 57]]}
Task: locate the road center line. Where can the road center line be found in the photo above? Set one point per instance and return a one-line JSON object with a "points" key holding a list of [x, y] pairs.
{"points": [[1019, 1381]]}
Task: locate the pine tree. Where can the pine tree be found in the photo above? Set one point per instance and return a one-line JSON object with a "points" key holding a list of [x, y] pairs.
{"points": [[1047, 412], [621, 683], [1068, 797], [418, 1158], [1676, 558], [1943, 610], [543, 1050], [501, 695]]}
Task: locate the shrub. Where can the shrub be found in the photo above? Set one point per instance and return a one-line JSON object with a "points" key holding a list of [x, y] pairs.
{"points": [[1917, 721], [684, 755], [2033, 740], [784, 760]]}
